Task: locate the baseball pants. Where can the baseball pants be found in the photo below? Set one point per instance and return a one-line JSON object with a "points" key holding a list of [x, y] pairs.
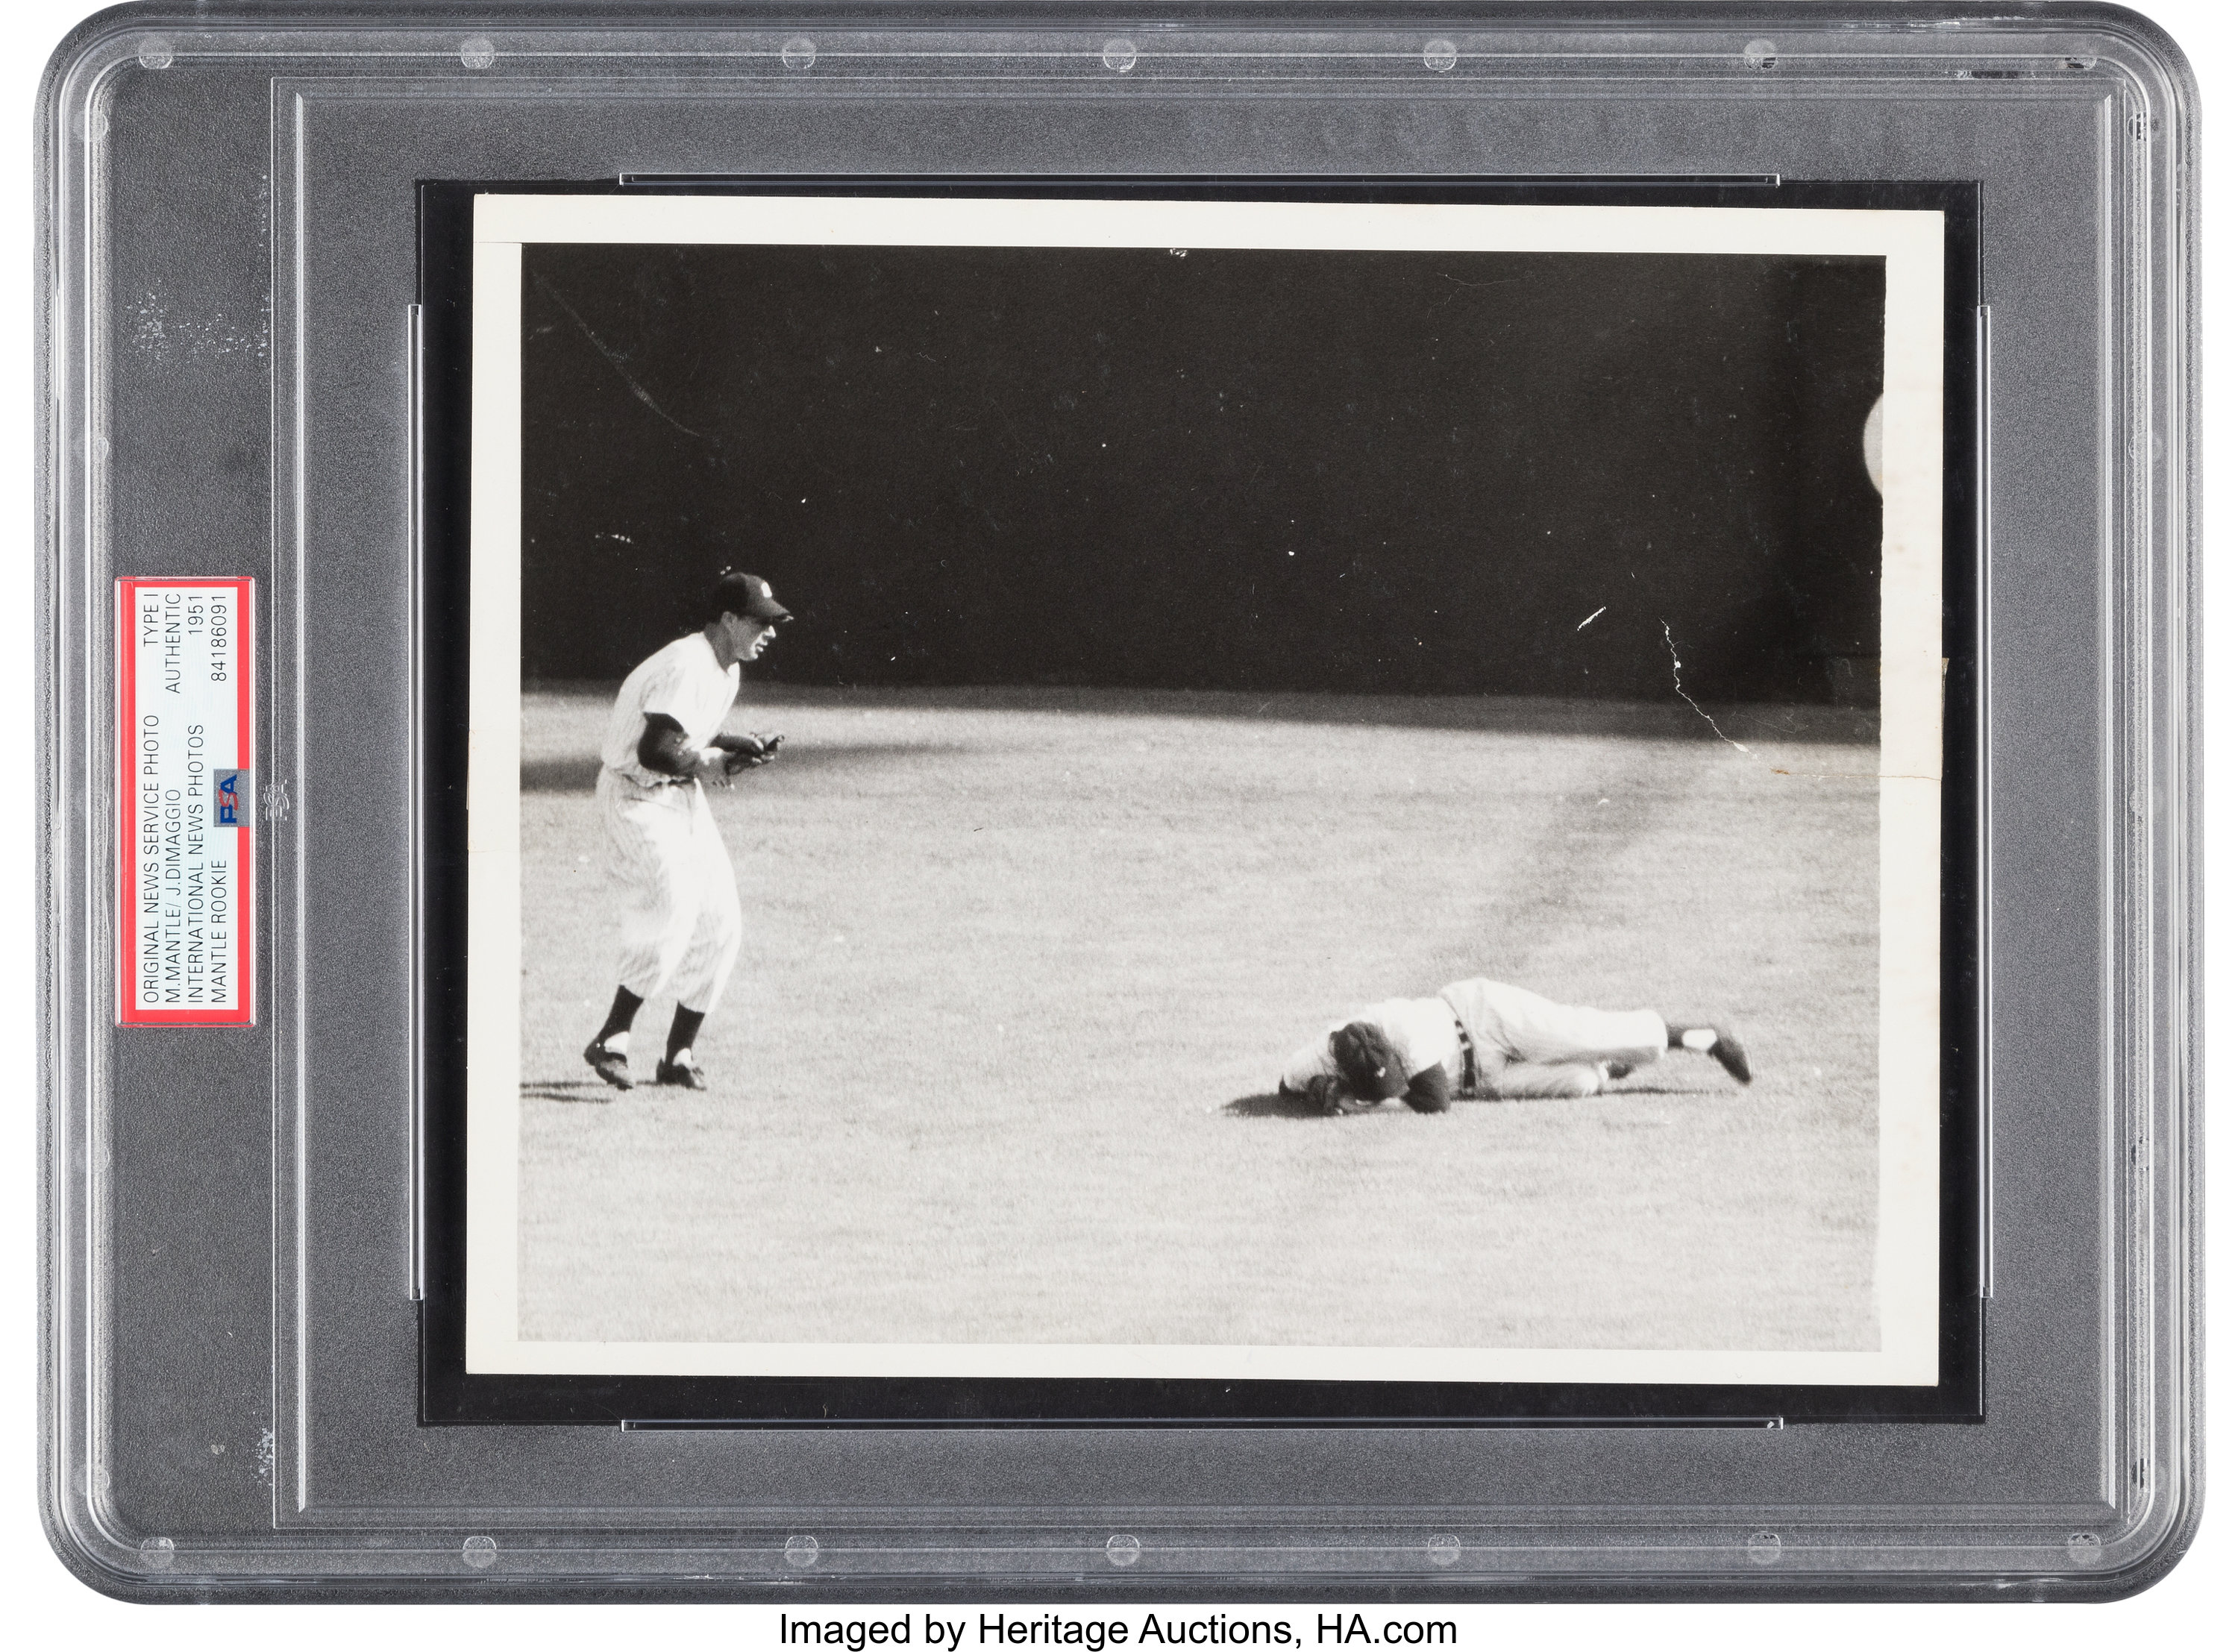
{"points": [[1529, 1046], [680, 923]]}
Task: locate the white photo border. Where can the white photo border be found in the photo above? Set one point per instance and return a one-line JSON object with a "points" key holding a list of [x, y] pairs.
{"points": [[1909, 1244]]}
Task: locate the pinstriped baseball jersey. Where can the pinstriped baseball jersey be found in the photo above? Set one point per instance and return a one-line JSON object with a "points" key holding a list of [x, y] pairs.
{"points": [[681, 918], [681, 681]]}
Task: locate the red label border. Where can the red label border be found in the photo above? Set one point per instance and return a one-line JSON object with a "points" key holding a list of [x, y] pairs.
{"points": [[128, 1015]]}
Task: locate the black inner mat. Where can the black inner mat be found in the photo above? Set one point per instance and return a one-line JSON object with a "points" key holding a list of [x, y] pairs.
{"points": [[1759, 592]]}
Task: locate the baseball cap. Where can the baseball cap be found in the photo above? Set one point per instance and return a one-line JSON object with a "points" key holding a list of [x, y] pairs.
{"points": [[745, 593], [1368, 1062]]}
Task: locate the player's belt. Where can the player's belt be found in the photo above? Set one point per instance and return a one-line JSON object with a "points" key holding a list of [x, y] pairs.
{"points": [[1468, 1050], [658, 782]]}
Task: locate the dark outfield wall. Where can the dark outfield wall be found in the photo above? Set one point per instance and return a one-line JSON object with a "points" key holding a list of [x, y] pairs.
{"points": [[1382, 472]]}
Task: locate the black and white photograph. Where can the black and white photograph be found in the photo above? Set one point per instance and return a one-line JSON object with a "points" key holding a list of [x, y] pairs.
{"points": [[1205, 789]]}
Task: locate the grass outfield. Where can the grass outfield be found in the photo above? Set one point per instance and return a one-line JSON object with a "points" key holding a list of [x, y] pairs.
{"points": [[1020, 968]]}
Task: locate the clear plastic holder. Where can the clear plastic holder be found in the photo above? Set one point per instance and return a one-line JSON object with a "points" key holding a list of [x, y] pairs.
{"points": [[232, 1216]]}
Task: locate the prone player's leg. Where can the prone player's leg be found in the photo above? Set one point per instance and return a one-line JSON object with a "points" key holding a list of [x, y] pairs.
{"points": [[1534, 1081], [1541, 1030], [1535, 1029]]}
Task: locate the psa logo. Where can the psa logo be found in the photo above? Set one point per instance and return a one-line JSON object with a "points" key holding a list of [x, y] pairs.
{"points": [[232, 796]]}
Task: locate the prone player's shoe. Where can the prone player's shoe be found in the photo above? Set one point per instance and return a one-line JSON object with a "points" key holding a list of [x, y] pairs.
{"points": [[683, 1072], [612, 1065], [1728, 1054]]}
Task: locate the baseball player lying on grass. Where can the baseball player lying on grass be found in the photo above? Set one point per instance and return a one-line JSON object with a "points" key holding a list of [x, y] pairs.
{"points": [[680, 924], [1484, 1038]]}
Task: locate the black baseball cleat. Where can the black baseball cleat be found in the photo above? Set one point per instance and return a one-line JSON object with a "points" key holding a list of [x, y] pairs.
{"points": [[684, 1073], [1728, 1054], [611, 1064]]}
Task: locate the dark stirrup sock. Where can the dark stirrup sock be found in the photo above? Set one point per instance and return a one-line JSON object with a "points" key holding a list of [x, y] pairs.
{"points": [[620, 1017], [684, 1029]]}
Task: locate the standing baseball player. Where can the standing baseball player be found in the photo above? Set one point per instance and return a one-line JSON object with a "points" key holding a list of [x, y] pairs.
{"points": [[663, 747], [1485, 1038]]}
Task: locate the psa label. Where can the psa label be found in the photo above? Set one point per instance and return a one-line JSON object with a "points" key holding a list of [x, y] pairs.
{"points": [[186, 866]]}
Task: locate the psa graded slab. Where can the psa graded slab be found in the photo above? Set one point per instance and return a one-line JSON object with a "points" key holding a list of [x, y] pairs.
{"points": [[1006, 807]]}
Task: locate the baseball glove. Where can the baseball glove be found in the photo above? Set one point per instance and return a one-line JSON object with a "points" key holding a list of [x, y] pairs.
{"points": [[744, 752], [1330, 1096]]}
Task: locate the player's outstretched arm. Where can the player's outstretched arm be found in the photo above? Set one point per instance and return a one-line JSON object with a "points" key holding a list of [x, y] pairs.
{"points": [[1430, 1090], [742, 751]]}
